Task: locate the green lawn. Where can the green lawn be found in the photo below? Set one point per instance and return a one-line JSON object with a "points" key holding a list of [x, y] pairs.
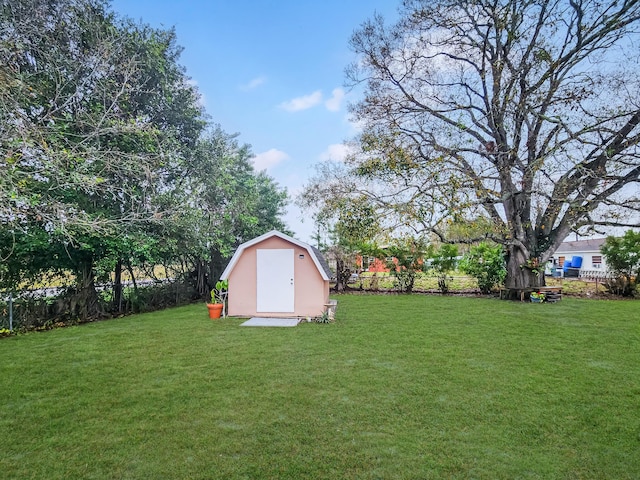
{"points": [[400, 387]]}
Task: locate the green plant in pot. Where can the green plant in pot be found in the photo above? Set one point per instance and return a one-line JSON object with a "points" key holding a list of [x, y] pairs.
{"points": [[537, 297], [218, 304]]}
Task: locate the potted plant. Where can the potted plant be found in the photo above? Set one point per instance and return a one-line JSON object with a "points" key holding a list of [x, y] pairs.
{"points": [[218, 299], [537, 297]]}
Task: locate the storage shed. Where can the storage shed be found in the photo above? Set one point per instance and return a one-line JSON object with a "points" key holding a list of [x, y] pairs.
{"points": [[275, 275]]}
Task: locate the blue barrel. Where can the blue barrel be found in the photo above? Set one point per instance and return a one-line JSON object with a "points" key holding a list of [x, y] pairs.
{"points": [[567, 265], [576, 262]]}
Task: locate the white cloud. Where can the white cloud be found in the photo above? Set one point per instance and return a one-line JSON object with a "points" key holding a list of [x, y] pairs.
{"points": [[336, 152], [268, 159], [255, 83], [293, 182], [302, 103], [334, 103], [355, 126]]}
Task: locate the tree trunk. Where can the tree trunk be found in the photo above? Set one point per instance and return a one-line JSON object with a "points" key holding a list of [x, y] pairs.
{"points": [[117, 287], [86, 300], [133, 277], [522, 272], [200, 279], [216, 267], [342, 275]]}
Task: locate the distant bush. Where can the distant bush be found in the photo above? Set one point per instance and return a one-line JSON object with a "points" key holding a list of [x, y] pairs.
{"points": [[485, 262], [623, 258]]}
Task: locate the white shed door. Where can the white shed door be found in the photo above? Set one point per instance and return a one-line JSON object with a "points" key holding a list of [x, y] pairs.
{"points": [[275, 289]]}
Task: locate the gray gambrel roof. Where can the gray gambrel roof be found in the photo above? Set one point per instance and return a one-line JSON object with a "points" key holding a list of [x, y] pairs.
{"points": [[317, 257], [322, 260]]}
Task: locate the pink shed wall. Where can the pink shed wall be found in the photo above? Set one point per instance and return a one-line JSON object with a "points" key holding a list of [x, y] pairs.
{"points": [[311, 291]]}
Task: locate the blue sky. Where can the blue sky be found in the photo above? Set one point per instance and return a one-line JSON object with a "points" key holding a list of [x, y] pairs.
{"points": [[272, 71]]}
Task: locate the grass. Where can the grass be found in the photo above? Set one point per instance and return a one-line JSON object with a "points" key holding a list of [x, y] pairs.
{"points": [[399, 387]]}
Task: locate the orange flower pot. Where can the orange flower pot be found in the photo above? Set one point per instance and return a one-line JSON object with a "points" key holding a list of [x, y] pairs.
{"points": [[215, 310]]}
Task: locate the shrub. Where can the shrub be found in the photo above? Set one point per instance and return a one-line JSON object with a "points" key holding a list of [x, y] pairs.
{"points": [[623, 258], [404, 261], [485, 262]]}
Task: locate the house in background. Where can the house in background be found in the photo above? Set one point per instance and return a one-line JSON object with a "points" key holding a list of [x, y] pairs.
{"points": [[373, 264], [275, 275], [593, 262]]}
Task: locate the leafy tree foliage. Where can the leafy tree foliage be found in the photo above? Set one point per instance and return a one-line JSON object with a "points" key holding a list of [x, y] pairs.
{"points": [[350, 223], [485, 262], [623, 257], [103, 165], [230, 201], [90, 107], [356, 221], [96, 110], [523, 112]]}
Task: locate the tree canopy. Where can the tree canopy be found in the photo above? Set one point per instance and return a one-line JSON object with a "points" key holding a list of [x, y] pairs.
{"points": [[106, 161], [93, 107], [524, 112]]}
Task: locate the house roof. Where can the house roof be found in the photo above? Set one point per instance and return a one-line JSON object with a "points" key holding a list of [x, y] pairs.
{"points": [[319, 261], [592, 245]]}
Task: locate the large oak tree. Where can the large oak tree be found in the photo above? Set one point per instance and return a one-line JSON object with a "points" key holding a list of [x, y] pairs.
{"points": [[525, 112]]}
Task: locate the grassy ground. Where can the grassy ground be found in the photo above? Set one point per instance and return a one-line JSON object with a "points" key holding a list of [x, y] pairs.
{"points": [[399, 387]]}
